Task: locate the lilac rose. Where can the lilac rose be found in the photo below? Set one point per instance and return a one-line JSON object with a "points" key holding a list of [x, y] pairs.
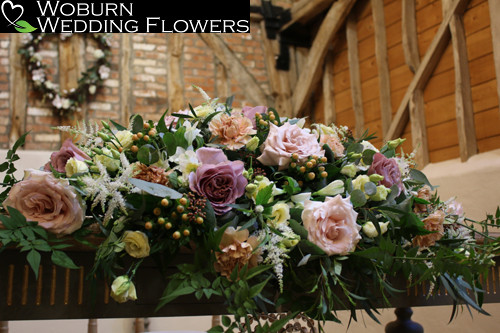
{"points": [[59, 158], [388, 168], [250, 112], [221, 181]]}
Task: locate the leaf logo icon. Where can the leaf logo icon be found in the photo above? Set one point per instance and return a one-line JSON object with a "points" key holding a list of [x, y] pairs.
{"points": [[16, 11]]}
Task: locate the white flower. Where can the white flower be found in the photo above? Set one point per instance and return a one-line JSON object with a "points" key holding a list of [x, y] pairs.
{"points": [[280, 214], [191, 132], [38, 75], [104, 72], [75, 166], [370, 230], [299, 199], [49, 84], [57, 102], [332, 189], [186, 161], [66, 103], [98, 54], [92, 89]]}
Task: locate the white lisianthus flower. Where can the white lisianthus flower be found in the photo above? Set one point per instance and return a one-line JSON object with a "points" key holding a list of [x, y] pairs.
{"points": [[204, 110], [349, 170], [125, 139], [332, 189], [299, 199], [74, 166], [262, 182]]}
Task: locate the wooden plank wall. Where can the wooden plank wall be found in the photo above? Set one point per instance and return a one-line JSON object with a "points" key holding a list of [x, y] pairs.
{"points": [[439, 91]]}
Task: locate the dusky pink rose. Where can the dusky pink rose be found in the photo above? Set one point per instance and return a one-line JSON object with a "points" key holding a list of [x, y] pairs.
{"points": [[221, 181], [59, 158], [388, 168], [286, 140], [332, 225], [50, 201], [233, 131], [250, 112]]}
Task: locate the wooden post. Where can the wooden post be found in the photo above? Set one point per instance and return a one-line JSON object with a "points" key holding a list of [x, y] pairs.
{"points": [[382, 64], [18, 91], [216, 320], [495, 35], [253, 91], [309, 77], [416, 105], [222, 86], [125, 62], [429, 62], [354, 74], [139, 325], [463, 93], [174, 75], [92, 326], [330, 113]]}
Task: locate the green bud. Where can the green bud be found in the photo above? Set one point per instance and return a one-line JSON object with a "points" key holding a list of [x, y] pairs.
{"points": [[115, 153], [97, 150], [253, 144], [105, 125], [355, 156], [104, 136], [94, 169], [393, 144], [375, 178], [251, 188], [259, 178]]}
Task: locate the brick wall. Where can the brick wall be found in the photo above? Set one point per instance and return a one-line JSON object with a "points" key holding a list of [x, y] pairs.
{"points": [[136, 85]]}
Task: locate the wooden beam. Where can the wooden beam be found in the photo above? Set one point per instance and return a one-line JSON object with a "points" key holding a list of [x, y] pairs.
{"points": [[251, 88], [416, 104], [409, 34], [279, 80], [308, 78], [463, 93], [330, 114], [125, 64], [429, 62], [495, 35], [222, 86], [175, 44], [384, 78], [18, 91], [354, 73], [303, 11]]}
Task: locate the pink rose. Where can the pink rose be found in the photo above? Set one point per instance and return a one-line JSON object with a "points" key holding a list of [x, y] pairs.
{"points": [[286, 140], [250, 112], [68, 150], [388, 168], [332, 225], [50, 201], [221, 181]]}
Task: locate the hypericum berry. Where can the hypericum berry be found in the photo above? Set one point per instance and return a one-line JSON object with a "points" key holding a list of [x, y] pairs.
{"points": [[168, 225], [140, 135], [184, 217], [176, 235], [134, 149], [183, 201], [146, 138], [311, 175], [161, 220], [180, 209], [199, 220], [147, 126], [186, 232], [165, 202], [148, 225], [152, 132], [309, 165], [324, 174], [157, 211]]}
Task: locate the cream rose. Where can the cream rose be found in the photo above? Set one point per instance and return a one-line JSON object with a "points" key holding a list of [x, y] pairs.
{"points": [[125, 139], [50, 201], [75, 166], [136, 244], [280, 213], [286, 140], [332, 225], [122, 289]]}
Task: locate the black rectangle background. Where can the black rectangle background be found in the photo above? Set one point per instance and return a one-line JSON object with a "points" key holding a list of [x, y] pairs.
{"points": [[63, 16]]}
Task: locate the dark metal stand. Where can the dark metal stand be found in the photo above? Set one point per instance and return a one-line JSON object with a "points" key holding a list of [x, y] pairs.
{"points": [[403, 323]]}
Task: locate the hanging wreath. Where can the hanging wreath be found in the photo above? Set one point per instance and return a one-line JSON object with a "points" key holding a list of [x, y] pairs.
{"points": [[66, 101]]}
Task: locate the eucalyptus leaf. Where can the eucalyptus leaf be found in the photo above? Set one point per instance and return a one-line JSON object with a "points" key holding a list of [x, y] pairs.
{"points": [[157, 190]]}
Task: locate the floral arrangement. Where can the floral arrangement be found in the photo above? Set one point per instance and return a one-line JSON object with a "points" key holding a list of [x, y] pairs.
{"points": [[277, 214], [65, 102]]}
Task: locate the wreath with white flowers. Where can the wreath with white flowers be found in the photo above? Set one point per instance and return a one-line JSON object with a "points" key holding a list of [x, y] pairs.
{"points": [[65, 101]]}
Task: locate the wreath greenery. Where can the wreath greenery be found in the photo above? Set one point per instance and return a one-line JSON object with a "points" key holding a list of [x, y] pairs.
{"points": [[65, 102]]}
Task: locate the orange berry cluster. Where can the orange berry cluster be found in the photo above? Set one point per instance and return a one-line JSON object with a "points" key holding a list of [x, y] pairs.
{"points": [[313, 168], [143, 137]]}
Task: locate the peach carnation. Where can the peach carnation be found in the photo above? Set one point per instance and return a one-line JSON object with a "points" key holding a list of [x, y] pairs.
{"points": [[434, 222], [234, 131]]}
